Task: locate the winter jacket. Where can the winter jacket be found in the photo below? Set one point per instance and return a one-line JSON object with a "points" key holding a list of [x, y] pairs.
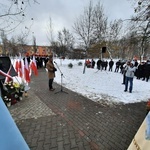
{"points": [[111, 63], [51, 69], [147, 69], [130, 71]]}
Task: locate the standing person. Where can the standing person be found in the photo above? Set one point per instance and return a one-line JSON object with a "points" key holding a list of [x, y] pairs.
{"points": [[122, 67], [88, 63], [147, 71], [130, 70], [45, 61], [99, 62], [135, 62], [105, 64], [140, 70], [111, 63], [51, 72], [102, 64], [124, 71], [93, 63], [117, 66]]}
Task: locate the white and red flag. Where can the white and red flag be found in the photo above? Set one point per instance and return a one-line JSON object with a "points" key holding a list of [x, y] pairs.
{"points": [[34, 66], [26, 71], [17, 65], [6, 75], [20, 67]]}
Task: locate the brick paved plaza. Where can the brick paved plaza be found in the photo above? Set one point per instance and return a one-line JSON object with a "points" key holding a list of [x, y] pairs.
{"points": [[60, 121]]}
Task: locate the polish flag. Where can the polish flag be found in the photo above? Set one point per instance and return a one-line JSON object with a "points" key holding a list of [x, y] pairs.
{"points": [[6, 75], [34, 66], [20, 67], [17, 65], [26, 71]]}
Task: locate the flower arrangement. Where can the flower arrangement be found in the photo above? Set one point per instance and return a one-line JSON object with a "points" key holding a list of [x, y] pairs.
{"points": [[7, 101], [9, 87], [12, 92]]}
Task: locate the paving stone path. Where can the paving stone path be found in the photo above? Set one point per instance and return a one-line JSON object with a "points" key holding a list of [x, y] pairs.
{"points": [[60, 121]]}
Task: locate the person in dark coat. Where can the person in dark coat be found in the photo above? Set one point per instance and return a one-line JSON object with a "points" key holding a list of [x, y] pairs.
{"points": [[93, 63], [28, 59], [117, 66], [147, 71], [121, 67], [45, 61], [140, 70], [111, 63], [105, 64], [40, 62], [99, 62], [136, 63], [37, 62]]}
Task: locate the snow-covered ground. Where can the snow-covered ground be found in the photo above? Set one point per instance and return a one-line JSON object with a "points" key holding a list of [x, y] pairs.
{"points": [[99, 85]]}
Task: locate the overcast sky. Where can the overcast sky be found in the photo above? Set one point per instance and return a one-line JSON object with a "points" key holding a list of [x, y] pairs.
{"points": [[64, 12]]}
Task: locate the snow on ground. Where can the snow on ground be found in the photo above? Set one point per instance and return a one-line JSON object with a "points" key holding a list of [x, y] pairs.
{"points": [[99, 85]]}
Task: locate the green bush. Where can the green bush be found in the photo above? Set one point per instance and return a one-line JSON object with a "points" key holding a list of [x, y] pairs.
{"points": [[80, 63], [70, 65]]}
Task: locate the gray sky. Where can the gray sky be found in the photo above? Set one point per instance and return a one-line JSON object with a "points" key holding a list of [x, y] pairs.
{"points": [[64, 12]]}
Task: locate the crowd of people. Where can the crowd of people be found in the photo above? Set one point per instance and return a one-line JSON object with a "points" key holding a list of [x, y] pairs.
{"points": [[142, 69], [129, 69], [46, 62], [40, 60]]}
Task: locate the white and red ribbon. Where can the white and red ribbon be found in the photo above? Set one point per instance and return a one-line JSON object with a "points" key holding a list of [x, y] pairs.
{"points": [[5, 74]]}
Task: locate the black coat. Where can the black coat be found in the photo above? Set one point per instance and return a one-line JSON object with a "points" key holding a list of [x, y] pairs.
{"points": [[147, 69], [111, 63]]}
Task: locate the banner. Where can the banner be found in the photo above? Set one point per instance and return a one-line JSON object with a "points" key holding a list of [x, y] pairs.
{"points": [[5, 64], [141, 140], [10, 136]]}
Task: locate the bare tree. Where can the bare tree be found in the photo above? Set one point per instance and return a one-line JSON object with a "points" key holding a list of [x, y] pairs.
{"points": [[34, 45], [99, 22], [84, 28], [142, 24], [142, 10], [113, 36], [50, 34], [4, 42], [55, 48], [12, 47], [132, 44], [21, 43], [65, 40], [12, 14]]}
